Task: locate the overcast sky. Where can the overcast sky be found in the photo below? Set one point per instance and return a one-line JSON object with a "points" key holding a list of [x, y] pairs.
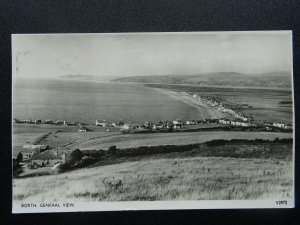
{"points": [[139, 54]]}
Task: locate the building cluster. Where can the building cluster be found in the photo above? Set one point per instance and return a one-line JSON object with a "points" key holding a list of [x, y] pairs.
{"points": [[217, 104], [266, 125], [144, 127], [119, 124], [153, 126], [39, 155], [236, 122], [277, 124]]}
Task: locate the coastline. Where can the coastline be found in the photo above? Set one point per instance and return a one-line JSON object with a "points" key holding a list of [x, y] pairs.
{"points": [[205, 111]]}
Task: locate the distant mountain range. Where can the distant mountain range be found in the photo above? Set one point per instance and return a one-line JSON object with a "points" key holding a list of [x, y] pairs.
{"points": [[226, 79], [86, 77]]}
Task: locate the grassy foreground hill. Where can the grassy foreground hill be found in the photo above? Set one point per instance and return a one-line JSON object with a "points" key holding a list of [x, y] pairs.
{"points": [[233, 171]]}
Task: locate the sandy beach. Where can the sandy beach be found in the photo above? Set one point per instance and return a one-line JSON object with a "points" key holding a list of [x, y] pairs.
{"points": [[205, 111]]}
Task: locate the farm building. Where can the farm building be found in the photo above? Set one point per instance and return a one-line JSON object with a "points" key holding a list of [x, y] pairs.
{"points": [[48, 158], [102, 123], [26, 155], [177, 126], [59, 122], [83, 129], [224, 121], [38, 121], [126, 126], [26, 152], [279, 124], [178, 122], [48, 122], [190, 122], [288, 126]]}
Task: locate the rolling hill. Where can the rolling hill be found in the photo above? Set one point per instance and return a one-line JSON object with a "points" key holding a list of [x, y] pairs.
{"points": [[271, 80]]}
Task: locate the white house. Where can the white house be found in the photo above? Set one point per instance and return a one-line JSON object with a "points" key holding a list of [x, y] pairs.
{"points": [[125, 126], [102, 123], [82, 129], [177, 126], [178, 122], [224, 121], [279, 124], [26, 155], [288, 126]]}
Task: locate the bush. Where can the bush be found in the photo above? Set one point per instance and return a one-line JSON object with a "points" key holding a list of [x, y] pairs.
{"points": [[65, 166], [216, 142], [112, 150], [75, 156], [19, 157], [17, 169]]}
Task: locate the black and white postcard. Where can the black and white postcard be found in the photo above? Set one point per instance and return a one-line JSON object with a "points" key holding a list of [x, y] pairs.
{"points": [[135, 121]]}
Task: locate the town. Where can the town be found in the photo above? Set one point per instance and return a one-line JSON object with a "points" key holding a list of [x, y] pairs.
{"points": [[231, 118]]}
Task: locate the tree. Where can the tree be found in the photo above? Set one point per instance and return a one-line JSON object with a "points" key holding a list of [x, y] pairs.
{"points": [[19, 157], [75, 156], [112, 149], [17, 169], [65, 166]]}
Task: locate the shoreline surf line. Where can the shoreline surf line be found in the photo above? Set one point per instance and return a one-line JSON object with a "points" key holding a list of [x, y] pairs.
{"points": [[205, 111]]}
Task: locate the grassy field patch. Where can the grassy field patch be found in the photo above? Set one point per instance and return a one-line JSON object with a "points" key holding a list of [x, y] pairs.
{"points": [[181, 138], [26, 138]]}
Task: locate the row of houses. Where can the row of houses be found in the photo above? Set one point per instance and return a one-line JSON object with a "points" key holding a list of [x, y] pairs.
{"points": [[239, 118], [217, 104], [267, 125], [162, 125], [280, 125], [239, 123], [119, 124]]}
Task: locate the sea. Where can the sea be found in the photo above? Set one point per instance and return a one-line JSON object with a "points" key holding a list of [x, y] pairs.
{"points": [[88, 101]]}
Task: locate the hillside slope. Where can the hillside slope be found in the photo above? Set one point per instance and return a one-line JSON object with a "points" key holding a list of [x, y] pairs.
{"points": [[276, 79]]}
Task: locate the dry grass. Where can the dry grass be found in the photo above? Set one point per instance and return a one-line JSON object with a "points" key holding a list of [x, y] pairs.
{"points": [[197, 178], [65, 139], [181, 138], [26, 138], [40, 128]]}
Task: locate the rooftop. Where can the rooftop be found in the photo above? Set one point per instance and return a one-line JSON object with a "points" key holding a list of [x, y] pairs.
{"points": [[45, 155]]}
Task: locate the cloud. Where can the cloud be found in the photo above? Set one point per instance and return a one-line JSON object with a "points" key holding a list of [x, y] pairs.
{"points": [[138, 54]]}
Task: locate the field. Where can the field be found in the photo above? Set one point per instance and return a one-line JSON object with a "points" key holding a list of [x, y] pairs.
{"points": [[46, 128], [164, 177], [66, 139], [40, 128], [54, 135], [154, 139], [27, 138]]}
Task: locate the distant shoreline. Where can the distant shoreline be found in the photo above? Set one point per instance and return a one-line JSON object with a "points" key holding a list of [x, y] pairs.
{"points": [[162, 84], [205, 111]]}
